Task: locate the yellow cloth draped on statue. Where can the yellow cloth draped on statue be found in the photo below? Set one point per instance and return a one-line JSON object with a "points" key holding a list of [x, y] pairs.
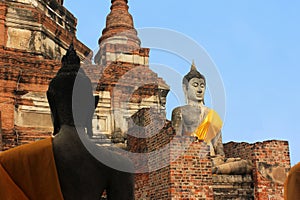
{"points": [[210, 127], [29, 172]]}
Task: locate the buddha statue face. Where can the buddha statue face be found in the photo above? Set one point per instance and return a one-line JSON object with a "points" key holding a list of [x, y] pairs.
{"points": [[195, 90], [194, 85]]}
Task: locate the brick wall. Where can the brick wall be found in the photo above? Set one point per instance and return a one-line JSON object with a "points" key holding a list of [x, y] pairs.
{"points": [[178, 167], [20, 73], [243, 150], [187, 175], [190, 173], [7, 101], [271, 163], [3, 28]]}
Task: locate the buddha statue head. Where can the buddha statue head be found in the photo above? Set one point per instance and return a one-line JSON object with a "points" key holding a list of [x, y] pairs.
{"points": [[70, 95], [194, 85]]}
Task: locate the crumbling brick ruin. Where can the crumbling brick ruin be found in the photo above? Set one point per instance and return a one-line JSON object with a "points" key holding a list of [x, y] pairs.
{"points": [[183, 170], [34, 34], [33, 37]]}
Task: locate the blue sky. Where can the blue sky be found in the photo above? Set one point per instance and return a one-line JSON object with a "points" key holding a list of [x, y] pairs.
{"points": [[255, 46]]}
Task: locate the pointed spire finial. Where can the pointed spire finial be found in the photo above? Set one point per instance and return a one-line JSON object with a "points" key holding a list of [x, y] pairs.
{"points": [[119, 4], [119, 23], [193, 67]]}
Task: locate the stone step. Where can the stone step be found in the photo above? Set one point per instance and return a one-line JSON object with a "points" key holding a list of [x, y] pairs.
{"points": [[226, 194], [227, 187]]}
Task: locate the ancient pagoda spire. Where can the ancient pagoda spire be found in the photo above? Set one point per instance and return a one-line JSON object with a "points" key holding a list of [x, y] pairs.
{"points": [[119, 26]]}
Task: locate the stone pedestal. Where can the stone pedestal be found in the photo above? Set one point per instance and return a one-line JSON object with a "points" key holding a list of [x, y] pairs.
{"points": [[227, 187]]}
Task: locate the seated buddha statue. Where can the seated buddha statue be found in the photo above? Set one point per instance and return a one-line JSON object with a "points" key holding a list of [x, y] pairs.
{"points": [[196, 120]]}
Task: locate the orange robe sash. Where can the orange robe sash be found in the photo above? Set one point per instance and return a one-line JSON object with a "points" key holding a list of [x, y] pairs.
{"points": [[292, 184], [210, 127], [28, 172]]}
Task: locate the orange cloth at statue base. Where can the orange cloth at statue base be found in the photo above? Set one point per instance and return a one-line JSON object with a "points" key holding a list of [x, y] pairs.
{"points": [[292, 184], [28, 172]]}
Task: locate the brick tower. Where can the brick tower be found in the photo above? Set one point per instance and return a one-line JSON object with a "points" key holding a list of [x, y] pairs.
{"points": [[120, 31], [126, 83]]}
